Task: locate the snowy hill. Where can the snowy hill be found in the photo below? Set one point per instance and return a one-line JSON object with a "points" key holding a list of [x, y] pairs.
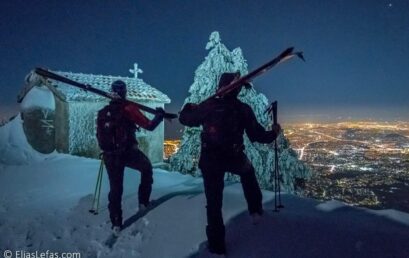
{"points": [[44, 203], [44, 206]]}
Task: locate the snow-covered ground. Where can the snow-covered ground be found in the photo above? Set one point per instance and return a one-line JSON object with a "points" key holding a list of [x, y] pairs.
{"points": [[14, 148], [44, 203]]}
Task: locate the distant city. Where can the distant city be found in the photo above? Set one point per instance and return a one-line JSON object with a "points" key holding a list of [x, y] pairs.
{"points": [[360, 163], [170, 148]]}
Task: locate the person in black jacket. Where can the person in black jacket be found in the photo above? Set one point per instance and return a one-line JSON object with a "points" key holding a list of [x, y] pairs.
{"points": [[224, 122], [116, 127]]}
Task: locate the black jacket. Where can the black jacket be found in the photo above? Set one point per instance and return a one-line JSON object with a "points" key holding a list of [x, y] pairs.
{"points": [[224, 122]]}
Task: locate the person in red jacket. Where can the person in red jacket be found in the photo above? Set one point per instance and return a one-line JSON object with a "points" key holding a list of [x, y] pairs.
{"points": [[224, 121], [117, 124]]}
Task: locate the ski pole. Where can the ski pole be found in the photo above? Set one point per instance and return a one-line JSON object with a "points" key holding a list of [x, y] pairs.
{"points": [[97, 191], [278, 175], [277, 167], [100, 182], [275, 177], [276, 182], [272, 109]]}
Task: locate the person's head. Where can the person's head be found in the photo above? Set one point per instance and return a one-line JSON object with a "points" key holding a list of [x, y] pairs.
{"points": [[119, 87], [228, 78]]}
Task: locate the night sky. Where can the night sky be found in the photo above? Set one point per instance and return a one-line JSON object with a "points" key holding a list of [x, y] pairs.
{"points": [[357, 51]]}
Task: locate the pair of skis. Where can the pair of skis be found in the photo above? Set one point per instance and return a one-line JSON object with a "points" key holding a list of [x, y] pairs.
{"points": [[87, 87], [284, 56]]}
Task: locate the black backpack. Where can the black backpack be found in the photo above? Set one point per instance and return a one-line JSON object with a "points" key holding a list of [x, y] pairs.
{"points": [[112, 133], [223, 128]]}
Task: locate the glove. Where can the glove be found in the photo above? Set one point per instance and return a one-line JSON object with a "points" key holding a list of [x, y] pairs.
{"points": [[157, 119], [276, 128], [160, 112]]}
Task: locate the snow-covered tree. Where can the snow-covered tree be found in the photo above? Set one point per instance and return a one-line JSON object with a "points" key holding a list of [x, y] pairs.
{"points": [[218, 61]]}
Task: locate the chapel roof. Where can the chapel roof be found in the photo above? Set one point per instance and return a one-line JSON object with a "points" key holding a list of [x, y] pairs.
{"points": [[137, 89]]}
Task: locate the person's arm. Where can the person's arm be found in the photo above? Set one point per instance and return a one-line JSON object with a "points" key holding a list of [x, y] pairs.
{"points": [[133, 113], [255, 131], [190, 115]]}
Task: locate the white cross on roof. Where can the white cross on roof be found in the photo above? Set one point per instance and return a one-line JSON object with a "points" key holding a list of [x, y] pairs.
{"points": [[135, 70]]}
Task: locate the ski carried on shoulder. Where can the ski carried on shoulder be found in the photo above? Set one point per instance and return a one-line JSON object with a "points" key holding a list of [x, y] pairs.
{"points": [[284, 56], [86, 87]]}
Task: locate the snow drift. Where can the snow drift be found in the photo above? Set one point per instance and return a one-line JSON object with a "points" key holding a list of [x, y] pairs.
{"points": [[14, 148]]}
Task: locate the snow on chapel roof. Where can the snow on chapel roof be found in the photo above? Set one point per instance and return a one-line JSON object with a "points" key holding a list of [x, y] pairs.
{"points": [[138, 90]]}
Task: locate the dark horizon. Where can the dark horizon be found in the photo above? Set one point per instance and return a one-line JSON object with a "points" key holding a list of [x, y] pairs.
{"points": [[357, 52]]}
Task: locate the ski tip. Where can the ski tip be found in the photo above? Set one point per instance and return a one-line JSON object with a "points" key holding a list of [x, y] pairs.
{"points": [[300, 55], [40, 71], [288, 51]]}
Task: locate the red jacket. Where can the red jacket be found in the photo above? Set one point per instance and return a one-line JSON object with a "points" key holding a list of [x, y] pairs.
{"points": [[133, 113]]}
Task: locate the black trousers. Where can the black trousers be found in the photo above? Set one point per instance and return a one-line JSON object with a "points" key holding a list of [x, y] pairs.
{"points": [[213, 167], [115, 164]]}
